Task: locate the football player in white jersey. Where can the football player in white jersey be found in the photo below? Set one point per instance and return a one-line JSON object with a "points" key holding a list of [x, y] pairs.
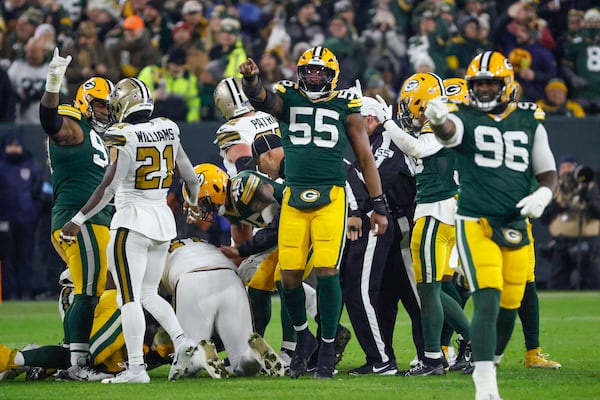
{"points": [[211, 299], [144, 155], [235, 136]]}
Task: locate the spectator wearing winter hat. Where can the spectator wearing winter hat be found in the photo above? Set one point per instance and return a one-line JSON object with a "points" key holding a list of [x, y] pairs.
{"points": [[463, 48], [135, 51], [192, 13], [534, 64], [175, 89], [90, 58], [196, 55], [159, 25], [20, 177], [305, 24], [556, 101], [24, 30], [105, 15]]}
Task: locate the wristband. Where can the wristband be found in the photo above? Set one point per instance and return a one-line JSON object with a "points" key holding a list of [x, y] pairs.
{"points": [[354, 213], [380, 205], [79, 219]]}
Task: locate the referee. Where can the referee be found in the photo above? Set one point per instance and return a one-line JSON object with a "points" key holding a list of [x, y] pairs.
{"points": [[377, 270]]}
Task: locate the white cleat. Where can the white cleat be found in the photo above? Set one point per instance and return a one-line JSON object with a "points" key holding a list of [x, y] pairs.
{"points": [[207, 357], [271, 363], [129, 377], [182, 361]]}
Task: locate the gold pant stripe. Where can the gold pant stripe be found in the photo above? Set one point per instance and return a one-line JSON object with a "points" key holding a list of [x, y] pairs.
{"points": [[122, 267]]}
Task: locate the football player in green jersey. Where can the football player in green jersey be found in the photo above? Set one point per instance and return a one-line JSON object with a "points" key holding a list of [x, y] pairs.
{"points": [[316, 124], [433, 235], [501, 145], [78, 159]]}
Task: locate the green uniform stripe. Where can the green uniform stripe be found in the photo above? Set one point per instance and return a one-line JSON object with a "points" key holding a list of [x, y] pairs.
{"points": [[107, 334], [466, 258], [428, 249], [90, 259], [122, 266]]}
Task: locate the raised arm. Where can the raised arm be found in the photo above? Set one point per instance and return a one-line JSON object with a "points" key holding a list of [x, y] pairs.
{"points": [[253, 87], [61, 130]]}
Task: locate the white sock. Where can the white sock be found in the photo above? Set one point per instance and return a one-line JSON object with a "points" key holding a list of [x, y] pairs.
{"points": [[134, 327], [19, 359], [162, 311], [484, 377], [434, 355]]}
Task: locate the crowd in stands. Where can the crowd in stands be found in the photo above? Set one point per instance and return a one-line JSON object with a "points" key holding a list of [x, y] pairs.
{"points": [[182, 48]]}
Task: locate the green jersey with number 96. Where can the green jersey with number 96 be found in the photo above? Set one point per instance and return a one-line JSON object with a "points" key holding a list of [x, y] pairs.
{"points": [[494, 159], [76, 172], [314, 135]]}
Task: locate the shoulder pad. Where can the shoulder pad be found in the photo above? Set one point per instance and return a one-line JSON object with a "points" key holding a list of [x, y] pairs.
{"points": [[426, 128], [114, 139], [539, 114], [226, 136], [69, 111], [452, 107], [283, 85]]}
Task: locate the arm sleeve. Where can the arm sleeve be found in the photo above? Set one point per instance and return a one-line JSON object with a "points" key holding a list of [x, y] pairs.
{"points": [[421, 147], [121, 170], [186, 170], [541, 155]]}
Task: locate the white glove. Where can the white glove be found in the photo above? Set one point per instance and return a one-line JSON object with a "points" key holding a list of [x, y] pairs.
{"points": [[436, 111], [384, 113], [356, 89], [56, 71], [534, 204]]}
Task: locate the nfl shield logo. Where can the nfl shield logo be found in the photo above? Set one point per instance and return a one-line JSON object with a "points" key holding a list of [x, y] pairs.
{"points": [[25, 174]]}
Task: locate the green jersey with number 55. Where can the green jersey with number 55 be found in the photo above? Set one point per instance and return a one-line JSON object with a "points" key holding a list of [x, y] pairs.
{"points": [[494, 159], [314, 135]]}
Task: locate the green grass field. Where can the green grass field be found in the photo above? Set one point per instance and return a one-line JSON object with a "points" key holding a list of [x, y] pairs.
{"points": [[570, 329]]}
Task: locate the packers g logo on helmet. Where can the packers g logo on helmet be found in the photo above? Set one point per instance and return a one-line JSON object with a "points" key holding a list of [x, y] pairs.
{"points": [[456, 90], [230, 99], [130, 95], [318, 72], [415, 94], [491, 66], [94, 89], [213, 189]]}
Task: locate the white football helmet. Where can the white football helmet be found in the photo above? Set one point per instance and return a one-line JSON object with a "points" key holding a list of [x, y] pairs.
{"points": [[129, 95]]}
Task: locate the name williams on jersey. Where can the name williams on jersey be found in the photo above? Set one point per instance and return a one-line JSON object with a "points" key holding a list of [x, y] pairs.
{"points": [[155, 136]]}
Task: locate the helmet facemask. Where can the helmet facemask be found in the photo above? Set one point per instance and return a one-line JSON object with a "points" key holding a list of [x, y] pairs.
{"points": [[318, 71], [487, 100], [315, 80]]}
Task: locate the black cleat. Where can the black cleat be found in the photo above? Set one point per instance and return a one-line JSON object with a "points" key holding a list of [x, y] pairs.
{"points": [[342, 338], [425, 369], [464, 356], [305, 347]]}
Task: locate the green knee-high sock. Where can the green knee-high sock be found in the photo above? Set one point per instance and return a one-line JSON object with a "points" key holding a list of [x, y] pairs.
{"points": [[486, 305], [260, 304], [455, 316], [506, 324], [287, 327], [295, 303], [78, 322], [446, 336], [432, 314], [329, 301], [449, 287], [48, 357], [529, 313]]}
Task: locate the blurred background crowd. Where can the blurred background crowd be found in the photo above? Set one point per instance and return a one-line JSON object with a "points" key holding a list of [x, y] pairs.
{"points": [[182, 48]]}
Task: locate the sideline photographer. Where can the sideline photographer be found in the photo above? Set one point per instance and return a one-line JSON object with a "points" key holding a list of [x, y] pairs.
{"points": [[573, 219]]}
